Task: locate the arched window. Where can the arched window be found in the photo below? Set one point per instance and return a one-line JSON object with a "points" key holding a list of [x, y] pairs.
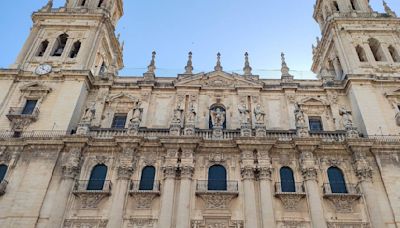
{"points": [[42, 48], [217, 116], [97, 177], [395, 55], [147, 179], [336, 180], [83, 2], [60, 44], [376, 49], [100, 3], [3, 171], [217, 178], [287, 180], [75, 49], [361, 54]]}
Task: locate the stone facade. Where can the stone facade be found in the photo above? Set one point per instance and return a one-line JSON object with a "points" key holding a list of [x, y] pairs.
{"points": [[64, 111]]}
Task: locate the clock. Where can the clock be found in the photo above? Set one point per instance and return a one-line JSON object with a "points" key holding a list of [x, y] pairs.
{"points": [[43, 69]]}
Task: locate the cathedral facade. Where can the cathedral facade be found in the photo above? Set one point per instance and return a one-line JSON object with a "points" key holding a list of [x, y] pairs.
{"points": [[81, 147]]}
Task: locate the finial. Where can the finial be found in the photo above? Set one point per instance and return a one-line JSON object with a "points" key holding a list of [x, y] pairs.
{"points": [[247, 68], [388, 10], [47, 7], [122, 46], [152, 67], [189, 65], [285, 68], [218, 67]]}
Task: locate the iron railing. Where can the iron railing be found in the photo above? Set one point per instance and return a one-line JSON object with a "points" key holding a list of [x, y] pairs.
{"points": [[144, 186], [92, 186], [341, 189], [289, 188], [205, 186]]}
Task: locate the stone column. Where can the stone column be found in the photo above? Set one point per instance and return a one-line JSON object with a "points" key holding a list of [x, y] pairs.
{"points": [[167, 197], [267, 207], [309, 171], [183, 212], [70, 170], [250, 209], [364, 173], [126, 167]]}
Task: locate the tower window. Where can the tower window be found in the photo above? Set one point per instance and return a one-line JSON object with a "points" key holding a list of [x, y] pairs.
{"points": [[353, 4], [100, 3], [42, 48], [60, 44], [376, 49], [335, 6], [361, 54], [83, 2], [75, 49], [394, 54], [119, 121], [103, 68], [315, 124]]}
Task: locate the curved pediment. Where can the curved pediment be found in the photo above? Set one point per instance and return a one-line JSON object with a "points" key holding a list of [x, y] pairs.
{"points": [[219, 79]]}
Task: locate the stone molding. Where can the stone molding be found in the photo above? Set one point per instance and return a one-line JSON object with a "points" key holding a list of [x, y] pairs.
{"points": [[217, 223], [290, 201], [91, 200], [144, 200], [343, 203], [217, 200], [85, 222], [142, 222]]}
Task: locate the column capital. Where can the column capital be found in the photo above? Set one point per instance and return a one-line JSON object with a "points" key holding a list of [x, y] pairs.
{"points": [[169, 172], [125, 172], [265, 173], [309, 173], [71, 166], [187, 172], [247, 173]]}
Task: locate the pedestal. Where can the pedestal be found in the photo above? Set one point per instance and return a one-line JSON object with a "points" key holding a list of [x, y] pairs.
{"points": [[245, 130]]}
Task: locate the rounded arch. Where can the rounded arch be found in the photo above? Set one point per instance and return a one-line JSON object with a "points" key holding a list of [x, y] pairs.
{"points": [[375, 47], [147, 178], [217, 107], [217, 178], [60, 44], [394, 54], [336, 180], [287, 179], [361, 54], [75, 49], [3, 171], [97, 177], [42, 48]]}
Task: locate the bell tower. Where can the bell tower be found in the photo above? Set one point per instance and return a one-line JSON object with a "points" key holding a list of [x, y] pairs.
{"points": [[355, 40], [78, 36]]}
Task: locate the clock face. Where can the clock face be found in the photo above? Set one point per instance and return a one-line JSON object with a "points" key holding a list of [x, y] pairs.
{"points": [[43, 69]]}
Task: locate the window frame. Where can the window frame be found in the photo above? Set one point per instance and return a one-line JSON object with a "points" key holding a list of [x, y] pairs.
{"points": [[312, 120], [26, 110], [217, 184], [115, 125]]}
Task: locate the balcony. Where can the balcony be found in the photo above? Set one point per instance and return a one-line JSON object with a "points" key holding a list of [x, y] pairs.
{"points": [[291, 194], [342, 197], [217, 194], [92, 192], [3, 187], [144, 192], [19, 112]]}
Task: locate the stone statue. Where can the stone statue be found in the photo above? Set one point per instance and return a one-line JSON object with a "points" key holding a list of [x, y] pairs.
{"points": [[137, 112], [192, 113], [218, 117], [88, 116], [259, 114], [244, 113], [347, 118], [299, 115], [178, 114]]}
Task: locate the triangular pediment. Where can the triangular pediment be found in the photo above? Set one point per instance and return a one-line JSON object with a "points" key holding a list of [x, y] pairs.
{"points": [[35, 86], [218, 79], [313, 101], [121, 96]]}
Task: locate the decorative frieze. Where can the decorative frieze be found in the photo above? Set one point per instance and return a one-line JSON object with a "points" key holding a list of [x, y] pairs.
{"points": [[217, 223], [217, 200], [85, 223], [142, 222]]}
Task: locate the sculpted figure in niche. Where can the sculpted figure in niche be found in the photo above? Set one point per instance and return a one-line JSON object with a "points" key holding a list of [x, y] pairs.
{"points": [[178, 114], [244, 113], [88, 116], [136, 112], [218, 117], [299, 115], [259, 114], [192, 113], [346, 117]]}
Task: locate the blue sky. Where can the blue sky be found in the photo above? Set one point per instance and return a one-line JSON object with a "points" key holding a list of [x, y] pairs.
{"points": [[264, 28]]}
